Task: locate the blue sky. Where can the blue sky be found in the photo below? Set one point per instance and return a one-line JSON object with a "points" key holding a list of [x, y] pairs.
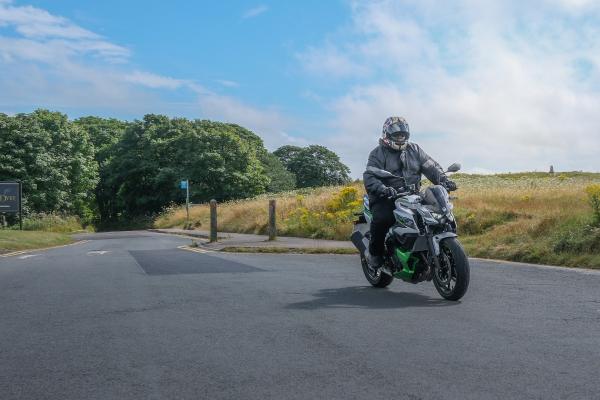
{"points": [[498, 85]]}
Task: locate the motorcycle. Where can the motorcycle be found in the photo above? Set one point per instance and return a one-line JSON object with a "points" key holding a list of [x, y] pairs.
{"points": [[422, 245]]}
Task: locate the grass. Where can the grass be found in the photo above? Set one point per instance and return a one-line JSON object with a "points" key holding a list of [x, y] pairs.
{"points": [[12, 240], [529, 217], [52, 223]]}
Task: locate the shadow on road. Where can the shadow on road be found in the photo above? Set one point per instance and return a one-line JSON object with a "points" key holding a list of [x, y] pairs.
{"points": [[368, 297]]}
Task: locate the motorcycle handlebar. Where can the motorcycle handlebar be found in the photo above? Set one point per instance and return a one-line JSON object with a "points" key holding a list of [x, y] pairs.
{"points": [[400, 194]]}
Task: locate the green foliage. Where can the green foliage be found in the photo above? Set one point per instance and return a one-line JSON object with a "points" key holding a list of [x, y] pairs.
{"points": [[280, 179], [577, 236], [477, 222], [104, 134], [53, 158], [593, 192], [51, 223], [157, 152], [339, 211], [313, 165], [116, 173]]}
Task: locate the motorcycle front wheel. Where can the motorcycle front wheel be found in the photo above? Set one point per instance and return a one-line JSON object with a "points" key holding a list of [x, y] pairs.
{"points": [[375, 277], [451, 279]]}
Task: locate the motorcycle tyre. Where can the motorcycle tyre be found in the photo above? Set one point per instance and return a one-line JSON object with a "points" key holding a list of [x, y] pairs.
{"points": [[461, 266], [380, 281]]}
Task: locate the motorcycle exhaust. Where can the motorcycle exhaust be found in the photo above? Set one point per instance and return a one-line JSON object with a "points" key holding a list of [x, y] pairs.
{"points": [[359, 241]]}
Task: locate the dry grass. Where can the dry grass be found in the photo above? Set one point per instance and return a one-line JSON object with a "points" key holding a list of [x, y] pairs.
{"points": [[531, 217], [251, 215]]}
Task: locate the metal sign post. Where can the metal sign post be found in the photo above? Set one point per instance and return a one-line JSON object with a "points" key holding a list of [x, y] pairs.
{"points": [[186, 185]]}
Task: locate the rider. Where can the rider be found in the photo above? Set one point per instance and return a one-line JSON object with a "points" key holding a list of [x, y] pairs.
{"points": [[404, 159]]}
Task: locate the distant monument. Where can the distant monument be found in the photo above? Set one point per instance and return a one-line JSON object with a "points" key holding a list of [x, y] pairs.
{"points": [[551, 169]]}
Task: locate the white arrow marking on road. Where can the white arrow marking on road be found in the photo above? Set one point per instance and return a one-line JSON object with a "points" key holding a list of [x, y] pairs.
{"points": [[27, 256], [100, 252]]}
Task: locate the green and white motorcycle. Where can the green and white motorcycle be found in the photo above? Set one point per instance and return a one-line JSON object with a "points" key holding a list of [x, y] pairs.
{"points": [[422, 245]]}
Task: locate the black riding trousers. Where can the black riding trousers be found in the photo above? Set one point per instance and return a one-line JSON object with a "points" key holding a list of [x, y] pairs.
{"points": [[383, 219]]}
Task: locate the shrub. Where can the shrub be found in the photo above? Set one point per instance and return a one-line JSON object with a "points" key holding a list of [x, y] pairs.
{"points": [[52, 223], [333, 222], [593, 192]]}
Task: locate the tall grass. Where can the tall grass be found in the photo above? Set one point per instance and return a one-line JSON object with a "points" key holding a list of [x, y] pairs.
{"points": [[52, 223], [533, 217]]}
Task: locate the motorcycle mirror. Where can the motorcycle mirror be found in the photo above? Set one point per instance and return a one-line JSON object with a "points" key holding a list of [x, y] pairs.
{"points": [[381, 173], [454, 167]]}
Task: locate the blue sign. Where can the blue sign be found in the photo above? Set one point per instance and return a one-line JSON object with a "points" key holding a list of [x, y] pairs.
{"points": [[183, 184]]}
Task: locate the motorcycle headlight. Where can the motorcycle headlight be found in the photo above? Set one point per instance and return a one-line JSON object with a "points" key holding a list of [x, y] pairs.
{"points": [[438, 216]]}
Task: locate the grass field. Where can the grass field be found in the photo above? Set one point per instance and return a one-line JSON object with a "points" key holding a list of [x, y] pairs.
{"points": [[12, 240], [530, 217]]}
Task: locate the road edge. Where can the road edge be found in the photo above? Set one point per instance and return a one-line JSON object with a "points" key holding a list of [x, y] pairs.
{"points": [[19, 252]]}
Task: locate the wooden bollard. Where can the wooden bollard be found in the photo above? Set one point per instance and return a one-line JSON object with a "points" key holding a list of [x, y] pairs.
{"points": [[213, 220], [272, 220]]}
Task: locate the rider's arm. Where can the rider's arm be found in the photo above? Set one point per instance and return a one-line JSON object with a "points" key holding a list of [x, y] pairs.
{"points": [[430, 168], [373, 184]]}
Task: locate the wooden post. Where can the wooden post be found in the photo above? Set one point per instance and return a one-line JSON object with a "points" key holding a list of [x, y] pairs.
{"points": [[213, 220], [272, 220]]}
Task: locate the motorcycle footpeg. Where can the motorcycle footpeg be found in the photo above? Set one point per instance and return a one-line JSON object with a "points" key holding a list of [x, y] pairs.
{"points": [[385, 270]]}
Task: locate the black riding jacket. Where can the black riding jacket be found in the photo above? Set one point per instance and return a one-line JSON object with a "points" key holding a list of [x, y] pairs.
{"points": [[409, 163]]}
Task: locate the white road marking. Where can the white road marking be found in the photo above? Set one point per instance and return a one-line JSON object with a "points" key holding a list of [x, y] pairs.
{"points": [[99, 252], [195, 249], [27, 256]]}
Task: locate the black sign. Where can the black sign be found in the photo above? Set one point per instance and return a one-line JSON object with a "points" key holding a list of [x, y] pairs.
{"points": [[10, 197]]}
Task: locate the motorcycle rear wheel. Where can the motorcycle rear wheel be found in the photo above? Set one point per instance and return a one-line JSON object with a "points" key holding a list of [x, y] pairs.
{"points": [[452, 278], [375, 277]]}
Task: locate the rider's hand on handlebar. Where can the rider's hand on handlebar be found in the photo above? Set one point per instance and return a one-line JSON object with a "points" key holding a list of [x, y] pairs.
{"points": [[388, 192], [449, 185]]}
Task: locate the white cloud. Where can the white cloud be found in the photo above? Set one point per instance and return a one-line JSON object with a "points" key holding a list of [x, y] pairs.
{"points": [[255, 11], [330, 62], [51, 62], [494, 87], [58, 33], [270, 124], [154, 81], [227, 83]]}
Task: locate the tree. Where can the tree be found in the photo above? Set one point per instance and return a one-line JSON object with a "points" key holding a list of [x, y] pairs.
{"points": [[313, 165], [157, 152], [287, 154], [104, 133], [53, 158], [280, 179]]}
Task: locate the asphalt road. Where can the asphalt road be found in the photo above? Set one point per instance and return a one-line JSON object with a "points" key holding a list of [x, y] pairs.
{"points": [[131, 316]]}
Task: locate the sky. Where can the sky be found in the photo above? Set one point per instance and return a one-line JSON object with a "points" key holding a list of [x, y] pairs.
{"points": [[499, 86]]}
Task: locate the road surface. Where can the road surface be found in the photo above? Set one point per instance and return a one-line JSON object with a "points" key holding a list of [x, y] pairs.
{"points": [[131, 316]]}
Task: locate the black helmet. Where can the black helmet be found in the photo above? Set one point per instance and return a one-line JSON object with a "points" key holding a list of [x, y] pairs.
{"points": [[395, 133]]}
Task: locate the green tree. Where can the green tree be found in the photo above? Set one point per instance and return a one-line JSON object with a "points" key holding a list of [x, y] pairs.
{"points": [[104, 133], [53, 158], [313, 165], [157, 152], [280, 179], [287, 154]]}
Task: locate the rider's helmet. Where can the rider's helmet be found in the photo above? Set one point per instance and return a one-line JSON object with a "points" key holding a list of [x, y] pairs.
{"points": [[395, 133]]}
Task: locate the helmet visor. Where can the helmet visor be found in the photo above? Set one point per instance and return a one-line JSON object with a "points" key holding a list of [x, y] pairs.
{"points": [[399, 136], [397, 129]]}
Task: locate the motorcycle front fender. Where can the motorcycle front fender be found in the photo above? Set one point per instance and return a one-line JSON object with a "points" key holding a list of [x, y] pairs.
{"points": [[438, 238]]}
